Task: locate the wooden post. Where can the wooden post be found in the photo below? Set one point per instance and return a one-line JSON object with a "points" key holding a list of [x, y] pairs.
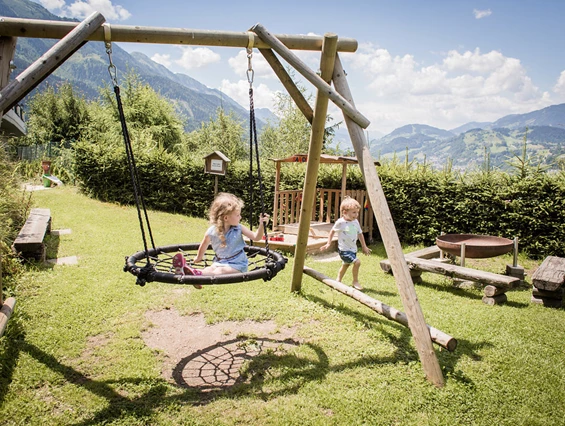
{"points": [[344, 182], [7, 49], [49, 62], [439, 337], [7, 307], [35, 28], [311, 76], [390, 238], [313, 164], [275, 219], [288, 84], [1, 284]]}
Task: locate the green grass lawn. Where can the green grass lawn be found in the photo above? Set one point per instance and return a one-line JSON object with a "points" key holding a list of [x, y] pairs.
{"points": [[73, 352]]}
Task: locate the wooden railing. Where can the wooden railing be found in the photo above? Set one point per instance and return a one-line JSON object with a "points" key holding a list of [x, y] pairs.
{"points": [[288, 204]]}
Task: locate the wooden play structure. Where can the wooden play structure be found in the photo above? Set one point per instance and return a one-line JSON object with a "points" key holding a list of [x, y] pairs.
{"points": [[73, 35], [287, 207]]}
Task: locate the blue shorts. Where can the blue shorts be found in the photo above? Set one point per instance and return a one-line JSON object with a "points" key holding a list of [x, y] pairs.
{"points": [[347, 256]]}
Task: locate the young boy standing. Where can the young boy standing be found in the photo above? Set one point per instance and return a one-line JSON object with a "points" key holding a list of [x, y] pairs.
{"points": [[348, 232]]}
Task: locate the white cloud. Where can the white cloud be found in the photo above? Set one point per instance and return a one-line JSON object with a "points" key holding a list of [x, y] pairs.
{"points": [[461, 87], [263, 97], [559, 87], [82, 9], [162, 59], [480, 14], [52, 4], [197, 57], [260, 66]]}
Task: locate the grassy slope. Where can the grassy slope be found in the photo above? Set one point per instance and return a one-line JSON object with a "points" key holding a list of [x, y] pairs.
{"points": [[73, 353]]}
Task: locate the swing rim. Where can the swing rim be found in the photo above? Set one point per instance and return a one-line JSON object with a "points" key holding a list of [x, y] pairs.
{"points": [[274, 263]]}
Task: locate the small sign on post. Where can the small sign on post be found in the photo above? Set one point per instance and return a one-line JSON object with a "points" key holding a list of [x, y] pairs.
{"points": [[216, 164]]}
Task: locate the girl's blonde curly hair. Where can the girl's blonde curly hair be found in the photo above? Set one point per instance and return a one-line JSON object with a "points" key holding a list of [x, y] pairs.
{"points": [[223, 205]]}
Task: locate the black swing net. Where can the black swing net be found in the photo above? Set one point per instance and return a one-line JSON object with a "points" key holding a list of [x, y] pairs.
{"points": [[156, 263]]}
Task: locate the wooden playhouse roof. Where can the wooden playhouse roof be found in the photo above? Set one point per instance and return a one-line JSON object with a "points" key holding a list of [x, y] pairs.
{"points": [[324, 159]]}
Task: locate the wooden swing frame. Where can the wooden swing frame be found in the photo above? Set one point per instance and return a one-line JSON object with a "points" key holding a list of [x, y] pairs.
{"points": [[73, 35]]}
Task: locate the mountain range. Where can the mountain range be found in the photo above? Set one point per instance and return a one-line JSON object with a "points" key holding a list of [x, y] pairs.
{"points": [[87, 70], [465, 147], [472, 144]]}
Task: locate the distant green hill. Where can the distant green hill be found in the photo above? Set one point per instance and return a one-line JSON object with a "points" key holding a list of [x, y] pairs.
{"points": [[87, 70]]}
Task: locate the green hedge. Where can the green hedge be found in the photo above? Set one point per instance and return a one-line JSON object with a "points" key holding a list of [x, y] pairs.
{"points": [[423, 202], [169, 183]]}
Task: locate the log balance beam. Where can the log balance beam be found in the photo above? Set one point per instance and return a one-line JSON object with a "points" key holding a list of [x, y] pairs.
{"points": [[437, 336]]}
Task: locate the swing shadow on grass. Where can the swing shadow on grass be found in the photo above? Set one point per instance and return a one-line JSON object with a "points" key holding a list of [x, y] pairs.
{"points": [[244, 367]]}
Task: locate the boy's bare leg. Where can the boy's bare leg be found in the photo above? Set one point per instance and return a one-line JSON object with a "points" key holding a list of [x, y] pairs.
{"points": [[342, 270], [355, 272]]}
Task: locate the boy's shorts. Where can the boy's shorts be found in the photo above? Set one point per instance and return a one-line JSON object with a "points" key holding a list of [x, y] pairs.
{"points": [[347, 256]]}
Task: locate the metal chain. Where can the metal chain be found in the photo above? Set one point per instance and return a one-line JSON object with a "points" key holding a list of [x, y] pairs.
{"points": [[112, 70], [250, 71]]}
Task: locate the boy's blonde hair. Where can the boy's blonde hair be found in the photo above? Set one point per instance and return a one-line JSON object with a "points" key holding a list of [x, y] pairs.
{"points": [[349, 203], [223, 205]]}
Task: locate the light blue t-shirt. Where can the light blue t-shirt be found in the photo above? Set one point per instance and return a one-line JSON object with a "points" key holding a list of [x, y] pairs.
{"points": [[232, 254]]}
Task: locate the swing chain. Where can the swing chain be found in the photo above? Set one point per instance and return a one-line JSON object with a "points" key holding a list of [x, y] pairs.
{"points": [[250, 71], [112, 70]]}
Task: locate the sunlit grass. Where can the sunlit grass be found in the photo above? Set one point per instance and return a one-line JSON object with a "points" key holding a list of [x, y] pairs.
{"points": [[73, 351]]}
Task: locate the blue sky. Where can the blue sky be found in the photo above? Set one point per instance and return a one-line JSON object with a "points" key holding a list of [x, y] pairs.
{"points": [[438, 62]]}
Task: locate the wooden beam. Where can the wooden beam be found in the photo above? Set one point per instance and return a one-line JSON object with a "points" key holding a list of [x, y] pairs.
{"points": [[344, 181], [314, 151], [28, 79], [288, 84], [438, 337], [310, 75], [430, 252], [17, 27], [462, 272], [7, 50], [390, 239]]}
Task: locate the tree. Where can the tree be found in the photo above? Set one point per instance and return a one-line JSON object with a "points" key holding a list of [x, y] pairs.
{"points": [[56, 115], [222, 133], [291, 135], [150, 118]]}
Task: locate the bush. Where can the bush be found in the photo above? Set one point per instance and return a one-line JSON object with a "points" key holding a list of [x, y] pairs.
{"points": [[423, 202], [13, 209]]}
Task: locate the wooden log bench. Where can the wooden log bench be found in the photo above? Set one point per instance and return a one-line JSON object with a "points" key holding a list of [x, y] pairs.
{"points": [[489, 278], [548, 282], [29, 242]]}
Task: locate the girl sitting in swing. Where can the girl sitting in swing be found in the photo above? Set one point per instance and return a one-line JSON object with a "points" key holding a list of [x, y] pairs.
{"points": [[226, 237]]}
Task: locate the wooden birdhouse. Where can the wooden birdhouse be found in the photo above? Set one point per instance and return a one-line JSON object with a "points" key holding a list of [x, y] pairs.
{"points": [[216, 163]]}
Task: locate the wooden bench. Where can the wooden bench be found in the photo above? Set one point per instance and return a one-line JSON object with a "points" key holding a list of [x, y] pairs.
{"points": [[548, 282], [550, 275], [29, 242]]}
